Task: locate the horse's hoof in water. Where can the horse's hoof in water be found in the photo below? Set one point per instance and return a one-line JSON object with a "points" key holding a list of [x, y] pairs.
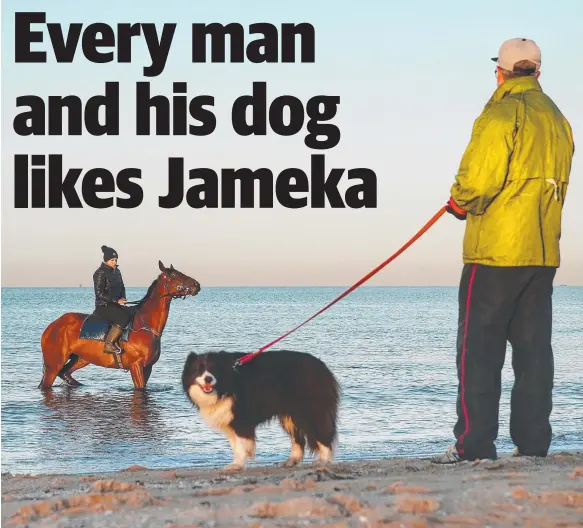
{"points": [[72, 382]]}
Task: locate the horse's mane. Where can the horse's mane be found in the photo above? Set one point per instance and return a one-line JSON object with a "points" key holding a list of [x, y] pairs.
{"points": [[147, 296]]}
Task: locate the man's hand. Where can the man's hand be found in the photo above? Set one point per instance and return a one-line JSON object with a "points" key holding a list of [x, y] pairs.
{"points": [[122, 301], [453, 208]]}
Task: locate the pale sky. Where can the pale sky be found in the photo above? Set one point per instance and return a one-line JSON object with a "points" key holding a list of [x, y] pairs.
{"points": [[411, 77]]}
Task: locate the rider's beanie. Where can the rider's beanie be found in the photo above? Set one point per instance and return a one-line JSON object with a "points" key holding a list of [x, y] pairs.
{"points": [[108, 253]]}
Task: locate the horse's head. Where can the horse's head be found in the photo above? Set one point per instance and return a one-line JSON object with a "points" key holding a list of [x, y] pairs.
{"points": [[178, 284]]}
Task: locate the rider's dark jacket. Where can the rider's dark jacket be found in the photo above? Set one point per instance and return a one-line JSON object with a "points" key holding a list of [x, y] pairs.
{"points": [[108, 285]]}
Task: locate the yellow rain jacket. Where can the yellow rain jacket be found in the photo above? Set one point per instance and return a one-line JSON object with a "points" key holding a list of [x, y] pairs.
{"points": [[513, 178]]}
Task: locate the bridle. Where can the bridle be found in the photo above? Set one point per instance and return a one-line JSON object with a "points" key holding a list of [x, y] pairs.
{"points": [[182, 293]]}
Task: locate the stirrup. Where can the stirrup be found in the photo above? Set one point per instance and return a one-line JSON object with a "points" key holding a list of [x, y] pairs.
{"points": [[118, 360], [118, 350]]}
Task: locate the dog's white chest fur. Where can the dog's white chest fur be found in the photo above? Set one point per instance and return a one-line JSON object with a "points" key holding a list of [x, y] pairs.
{"points": [[217, 413]]}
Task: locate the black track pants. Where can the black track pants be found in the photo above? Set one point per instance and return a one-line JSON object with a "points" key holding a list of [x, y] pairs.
{"points": [[114, 313], [497, 305]]}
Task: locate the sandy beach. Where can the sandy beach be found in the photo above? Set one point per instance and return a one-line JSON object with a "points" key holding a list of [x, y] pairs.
{"points": [[392, 492]]}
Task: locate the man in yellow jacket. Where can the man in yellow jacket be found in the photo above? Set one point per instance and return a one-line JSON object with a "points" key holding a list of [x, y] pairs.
{"points": [[510, 188]]}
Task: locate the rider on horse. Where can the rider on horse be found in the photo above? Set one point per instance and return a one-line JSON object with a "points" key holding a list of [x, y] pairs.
{"points": [[109, 299]]}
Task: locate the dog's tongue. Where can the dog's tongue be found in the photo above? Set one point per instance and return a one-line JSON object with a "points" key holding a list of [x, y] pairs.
{"points": [[207, 387]]}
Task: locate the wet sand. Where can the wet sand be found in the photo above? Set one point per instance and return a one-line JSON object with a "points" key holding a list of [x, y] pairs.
{"points": [[393, 492]]}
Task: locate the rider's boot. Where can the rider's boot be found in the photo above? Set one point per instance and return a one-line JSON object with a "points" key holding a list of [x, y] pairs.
{"points": [[111, 346]]}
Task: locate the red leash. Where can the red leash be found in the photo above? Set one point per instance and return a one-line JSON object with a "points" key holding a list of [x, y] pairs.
{"points": [[422, 231]]}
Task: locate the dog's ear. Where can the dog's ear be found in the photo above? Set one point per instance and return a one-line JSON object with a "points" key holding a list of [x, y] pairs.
{"points": [[191, 358], [186, 371]]}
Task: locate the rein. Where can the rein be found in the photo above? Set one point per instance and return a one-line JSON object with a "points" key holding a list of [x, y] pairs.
{"points": [[173, 295], [168, 293]]}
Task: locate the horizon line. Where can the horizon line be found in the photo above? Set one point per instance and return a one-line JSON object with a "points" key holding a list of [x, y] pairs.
{"points": [[288, 286]]}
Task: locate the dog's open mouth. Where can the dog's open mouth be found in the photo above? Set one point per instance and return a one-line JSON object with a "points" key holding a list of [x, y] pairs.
{"points": [[207, 388]]}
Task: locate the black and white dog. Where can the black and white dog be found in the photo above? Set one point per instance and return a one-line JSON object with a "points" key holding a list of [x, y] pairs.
{"points": [[295, 387]]}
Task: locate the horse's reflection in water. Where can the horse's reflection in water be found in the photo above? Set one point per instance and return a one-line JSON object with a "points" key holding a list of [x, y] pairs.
{"points": [[110, 418]]}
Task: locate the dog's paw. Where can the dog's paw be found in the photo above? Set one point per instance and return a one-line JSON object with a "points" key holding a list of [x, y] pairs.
{"points": [[321, 463], [290, 462], [232, 468]]}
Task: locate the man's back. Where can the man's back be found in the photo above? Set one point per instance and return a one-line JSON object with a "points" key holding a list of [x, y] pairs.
{"points": [[513, 178]]}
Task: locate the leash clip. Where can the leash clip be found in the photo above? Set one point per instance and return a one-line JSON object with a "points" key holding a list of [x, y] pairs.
{"points": [[241, 360]]}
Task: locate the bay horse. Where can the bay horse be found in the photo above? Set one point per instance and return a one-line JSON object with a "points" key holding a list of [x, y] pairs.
{"points": [[64, 352]]}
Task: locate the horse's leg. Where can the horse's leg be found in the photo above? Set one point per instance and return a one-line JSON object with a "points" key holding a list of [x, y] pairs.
{"points": [[68, 365], [137, 372], [49, 375], [74, 363], [147, 372], [72, 360], [55, 353]]}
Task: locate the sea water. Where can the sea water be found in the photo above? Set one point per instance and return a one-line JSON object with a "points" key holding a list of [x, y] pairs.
{"points": [[391, 348]]}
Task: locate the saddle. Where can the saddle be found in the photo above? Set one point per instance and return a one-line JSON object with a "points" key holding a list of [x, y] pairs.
{"points": [[94, 328]]}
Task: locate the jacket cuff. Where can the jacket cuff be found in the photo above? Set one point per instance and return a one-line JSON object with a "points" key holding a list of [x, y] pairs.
{"points": [[455, 207]]}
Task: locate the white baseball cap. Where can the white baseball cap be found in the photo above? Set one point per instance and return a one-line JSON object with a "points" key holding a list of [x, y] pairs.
{"points": [[516, 50]]}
